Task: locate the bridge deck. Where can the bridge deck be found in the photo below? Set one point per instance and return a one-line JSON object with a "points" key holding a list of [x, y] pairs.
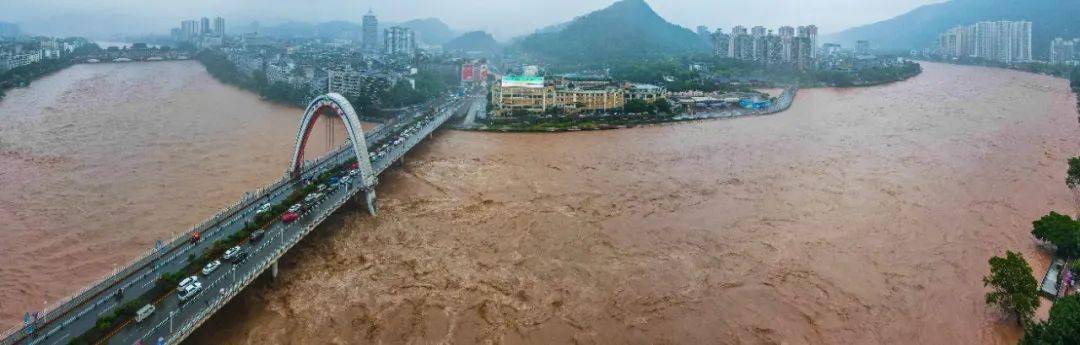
{"points": [[173, 321]]}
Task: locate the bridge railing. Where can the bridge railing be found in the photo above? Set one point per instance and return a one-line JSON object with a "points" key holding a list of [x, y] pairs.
{"points": [[90, 291]]}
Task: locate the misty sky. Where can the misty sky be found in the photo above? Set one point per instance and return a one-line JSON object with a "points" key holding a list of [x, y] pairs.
{"points": [[503, 18]]}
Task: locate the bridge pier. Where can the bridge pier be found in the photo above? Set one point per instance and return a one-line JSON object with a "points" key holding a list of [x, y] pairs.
{"points": [[273, 270], [369, 200]]}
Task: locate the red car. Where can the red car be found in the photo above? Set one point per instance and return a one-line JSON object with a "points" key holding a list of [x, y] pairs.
{"points": [[289, 217]]}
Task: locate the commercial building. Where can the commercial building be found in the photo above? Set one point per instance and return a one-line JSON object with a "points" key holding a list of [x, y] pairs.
{"points": [[399, 40], [1001, 41], [370, 39], [514, 95]]}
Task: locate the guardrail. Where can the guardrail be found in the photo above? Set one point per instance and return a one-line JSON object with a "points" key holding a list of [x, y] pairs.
{"points": [[17, 333], [232, 290], [94, 290]]}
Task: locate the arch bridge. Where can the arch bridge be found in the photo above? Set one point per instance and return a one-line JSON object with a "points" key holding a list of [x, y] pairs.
{"points": [[172, 317]]}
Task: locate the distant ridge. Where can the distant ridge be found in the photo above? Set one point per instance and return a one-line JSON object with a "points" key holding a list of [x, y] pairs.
{"points": [[628, 29], [473, 41], [919, 28]]}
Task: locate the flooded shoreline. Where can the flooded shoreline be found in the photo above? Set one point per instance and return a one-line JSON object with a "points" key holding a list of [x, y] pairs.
{"points": [[857, 216]]}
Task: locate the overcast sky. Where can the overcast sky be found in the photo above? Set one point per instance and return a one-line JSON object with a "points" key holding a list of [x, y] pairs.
{"points": [[503, 18]]}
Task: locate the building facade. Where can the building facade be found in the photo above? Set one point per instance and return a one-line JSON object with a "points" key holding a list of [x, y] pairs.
{"points": [[762, 46], [370, 34], [514, 95], [219, 27], [1001, 41], [399, 41], [1064, 51]]}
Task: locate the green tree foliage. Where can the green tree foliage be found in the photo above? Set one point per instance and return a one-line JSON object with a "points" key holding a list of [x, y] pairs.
{"points": [[1073, 176], [224, 71], [662, 105], [1060, 230], [1063, 326], [637, 106], [1015, 290], [428, 86]]}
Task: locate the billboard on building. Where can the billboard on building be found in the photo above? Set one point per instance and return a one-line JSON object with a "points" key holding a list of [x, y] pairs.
{"points": [[520, 81], [483, 72], [467, 72]]}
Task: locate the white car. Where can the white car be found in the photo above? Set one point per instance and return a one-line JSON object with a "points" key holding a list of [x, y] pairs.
{"points": [[263, 209], [188, 281], [211, 267], [295, 208], [231, 253], [189, 291], [310, 198]]}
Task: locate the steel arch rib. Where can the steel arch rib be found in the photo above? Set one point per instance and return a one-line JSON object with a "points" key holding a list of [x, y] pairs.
{"points": [[342, 108]]}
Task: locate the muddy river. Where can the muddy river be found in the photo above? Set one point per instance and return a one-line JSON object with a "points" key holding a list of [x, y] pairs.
{"points": [[859, 216]]}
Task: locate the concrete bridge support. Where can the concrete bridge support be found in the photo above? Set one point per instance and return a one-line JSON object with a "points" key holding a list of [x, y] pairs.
{"points": [[273, 270], [369, 200]]}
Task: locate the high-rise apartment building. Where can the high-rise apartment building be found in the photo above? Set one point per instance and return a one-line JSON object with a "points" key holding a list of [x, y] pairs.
{"points": [[810, 32], [1001, 41], [189, 29], [219, 27], [862, 48], [1065, 51], [204, 26], [370, 38], [721, 43], [399, 40], [787, 36], [761, 45]]}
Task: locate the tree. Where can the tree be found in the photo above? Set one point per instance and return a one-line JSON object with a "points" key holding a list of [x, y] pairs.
{"points": [[637, 106], [1063, 326], [1015, 290], [1059, 229], [662, 105], [1073, 177]]}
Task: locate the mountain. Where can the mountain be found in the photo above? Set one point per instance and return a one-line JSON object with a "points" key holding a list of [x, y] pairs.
{"points": [[473, 41], [628, 29], [430, 30], [920, 27]]}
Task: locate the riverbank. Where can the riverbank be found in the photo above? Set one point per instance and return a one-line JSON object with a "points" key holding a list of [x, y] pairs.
{"points": [[823, 225], [867, 77], [609, 122]]}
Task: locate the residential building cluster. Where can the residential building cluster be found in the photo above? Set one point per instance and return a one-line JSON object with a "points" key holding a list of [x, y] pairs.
{"points": [[1065, 51], [21, 52], [566, 94], [1002, 41], [318, 67], [796, 47], [202, 32]]}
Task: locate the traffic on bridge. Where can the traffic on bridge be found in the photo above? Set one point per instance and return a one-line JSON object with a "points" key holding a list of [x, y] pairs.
{"points": [[162, 297]]}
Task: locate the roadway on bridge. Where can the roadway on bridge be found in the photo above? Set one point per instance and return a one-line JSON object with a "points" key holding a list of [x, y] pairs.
{"points": [[71, 323]]}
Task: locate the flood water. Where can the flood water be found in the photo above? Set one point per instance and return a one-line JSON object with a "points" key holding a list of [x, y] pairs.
{"points": [[98, 162], [860, 216]]}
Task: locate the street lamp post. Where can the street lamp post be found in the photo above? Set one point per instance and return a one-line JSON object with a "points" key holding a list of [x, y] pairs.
{"points": [[171, 313]]}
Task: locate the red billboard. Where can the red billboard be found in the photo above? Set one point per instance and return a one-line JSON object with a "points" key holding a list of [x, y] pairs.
{"points": [[483, 72], [467, 72]]}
